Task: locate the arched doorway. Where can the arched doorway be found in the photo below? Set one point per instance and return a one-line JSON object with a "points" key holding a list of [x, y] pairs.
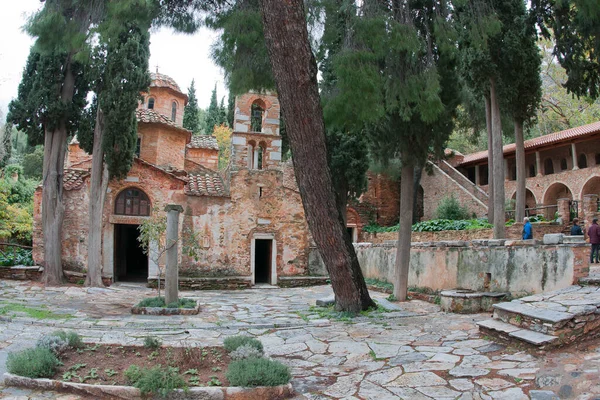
{"points": [[553, 193], [130, 261], [592, 186], [530, 202]]}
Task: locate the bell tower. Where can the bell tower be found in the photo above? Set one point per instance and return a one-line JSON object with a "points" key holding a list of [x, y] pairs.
{"points": [[255, 140]]}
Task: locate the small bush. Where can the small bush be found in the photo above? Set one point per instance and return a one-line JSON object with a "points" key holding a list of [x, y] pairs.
{"points": [[233, 342], [152, 342], [450, 208], [160, 302], [37, 362], [245, 351], [156, 380], [53, 343], [257, 372], [72, 338]]}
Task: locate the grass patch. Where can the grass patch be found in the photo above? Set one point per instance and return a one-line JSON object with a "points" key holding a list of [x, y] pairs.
{"points": [[160, 302], [33, 312], [232, 343], [152, 342], [33, 363], [253, 372], [157, 380], [379, 283]]}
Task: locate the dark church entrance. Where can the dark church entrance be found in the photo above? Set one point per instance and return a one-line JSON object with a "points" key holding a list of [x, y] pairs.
{"points": [[131, 264], [262, 260]]}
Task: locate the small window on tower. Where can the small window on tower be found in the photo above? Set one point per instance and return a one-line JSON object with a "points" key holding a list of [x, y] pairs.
{"points": [[138, 147], [256, 118], [151, 103], [173, 111]]}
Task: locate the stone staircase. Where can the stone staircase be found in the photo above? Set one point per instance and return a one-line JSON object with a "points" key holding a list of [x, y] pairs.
{"points": [[549, 319]]}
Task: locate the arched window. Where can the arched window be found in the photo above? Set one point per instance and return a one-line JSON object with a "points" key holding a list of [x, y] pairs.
{"points": [[173, 111], [132, 201], [150, 103], [548, 167], [563, 164], [260, 152], [531, 170], [256, 117], [582, 161]]}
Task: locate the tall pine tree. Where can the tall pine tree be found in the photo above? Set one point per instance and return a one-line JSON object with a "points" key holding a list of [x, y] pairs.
{"points": [[191, 117], [213, 113]]}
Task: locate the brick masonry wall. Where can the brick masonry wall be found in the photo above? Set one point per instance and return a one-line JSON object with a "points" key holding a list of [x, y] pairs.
{"points": [[206, 157], [243, 107], [243, 143], [163, 100], [162, 145]]}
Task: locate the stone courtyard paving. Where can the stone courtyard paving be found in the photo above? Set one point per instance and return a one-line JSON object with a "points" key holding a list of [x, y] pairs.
{"points": [[414, 352]]}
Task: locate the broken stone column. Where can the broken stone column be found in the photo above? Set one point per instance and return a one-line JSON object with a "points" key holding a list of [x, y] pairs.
{"points": [[172, 268]]}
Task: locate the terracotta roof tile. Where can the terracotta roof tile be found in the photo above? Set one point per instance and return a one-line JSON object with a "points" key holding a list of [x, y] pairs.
{"points": [[73, 178], [203, 142], [205, 183], [152, 117], [161, 80], [545, 140]]}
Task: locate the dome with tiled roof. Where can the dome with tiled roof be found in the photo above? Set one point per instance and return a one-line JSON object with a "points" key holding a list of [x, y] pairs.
{"points": [[161, 80]]}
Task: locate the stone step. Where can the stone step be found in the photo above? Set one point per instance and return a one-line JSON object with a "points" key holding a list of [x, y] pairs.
{"points": [[508, 332], [526, 310], [538, 319], [592, 279]]}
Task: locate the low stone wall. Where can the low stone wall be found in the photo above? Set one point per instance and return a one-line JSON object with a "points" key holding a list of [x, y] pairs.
{"points": [[512, 232], [517, 267], [20, 272]]}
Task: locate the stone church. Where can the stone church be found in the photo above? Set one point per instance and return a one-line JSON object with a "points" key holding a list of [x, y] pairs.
{"points": [[249, 217]]}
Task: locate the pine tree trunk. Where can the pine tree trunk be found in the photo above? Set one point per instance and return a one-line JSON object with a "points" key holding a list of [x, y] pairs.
{"points": [[488, 126], [521, 184], [498, 158], [52, 188], [295, 72], [98, 185], [404, 233], [341, 196]]}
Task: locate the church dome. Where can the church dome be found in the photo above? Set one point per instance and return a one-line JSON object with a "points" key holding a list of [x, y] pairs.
{"points": [[160, 80]]}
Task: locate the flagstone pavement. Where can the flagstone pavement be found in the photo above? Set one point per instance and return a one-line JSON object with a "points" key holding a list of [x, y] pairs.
{"points": [[414, 352]]}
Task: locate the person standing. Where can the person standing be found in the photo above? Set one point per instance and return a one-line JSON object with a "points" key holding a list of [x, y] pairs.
{"points": [[576, 229], [527, 229], [594, 234]]}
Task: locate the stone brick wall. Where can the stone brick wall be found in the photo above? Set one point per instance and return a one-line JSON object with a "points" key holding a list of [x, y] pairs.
{"points": [[206, 157], [162, 145], [76, 155], [382, 199], [244, 145]]}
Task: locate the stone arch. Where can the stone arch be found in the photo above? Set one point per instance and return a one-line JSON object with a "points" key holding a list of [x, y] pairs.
{"points": [[557, 190], [591, 186], [530, 200], [257, 112], [132, 201]]}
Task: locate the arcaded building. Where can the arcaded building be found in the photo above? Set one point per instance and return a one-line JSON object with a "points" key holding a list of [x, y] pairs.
{"points": [[249, 217]]}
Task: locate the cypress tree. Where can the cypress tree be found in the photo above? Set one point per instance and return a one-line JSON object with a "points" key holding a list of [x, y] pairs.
{"points": [[191, 118], [213, 113]]}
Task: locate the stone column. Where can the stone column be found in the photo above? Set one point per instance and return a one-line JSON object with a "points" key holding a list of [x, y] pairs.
{"points": [[574, 154], [172, 268], [563, 210], [538, 163], [477, 175]]}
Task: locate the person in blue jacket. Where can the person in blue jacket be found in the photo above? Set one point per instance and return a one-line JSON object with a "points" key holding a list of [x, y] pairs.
{"points": [[527, 231]]}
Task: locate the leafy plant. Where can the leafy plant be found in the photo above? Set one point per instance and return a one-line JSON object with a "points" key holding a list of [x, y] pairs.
{"points": [[450, 208], [231, 343], [246, 351], [156, 380], [257, 372], [17, 256], [110, 372], [72, 338], [152, 342], [33, 363], [53, 343]]}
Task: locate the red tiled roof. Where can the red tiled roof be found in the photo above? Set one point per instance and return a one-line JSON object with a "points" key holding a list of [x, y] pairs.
{"points": [[73, 178], [161, 80], [205, 183], [152, 117], [203, 142], [545, 140]]}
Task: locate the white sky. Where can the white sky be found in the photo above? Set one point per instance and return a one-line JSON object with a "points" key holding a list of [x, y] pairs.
{"points": [[182, 57]]}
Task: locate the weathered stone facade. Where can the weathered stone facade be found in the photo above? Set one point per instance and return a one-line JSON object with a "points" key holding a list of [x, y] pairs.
{"points": [[249, 217]]}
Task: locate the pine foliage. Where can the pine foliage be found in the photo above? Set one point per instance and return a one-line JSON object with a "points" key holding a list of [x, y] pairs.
{"points": [[191, 117]]}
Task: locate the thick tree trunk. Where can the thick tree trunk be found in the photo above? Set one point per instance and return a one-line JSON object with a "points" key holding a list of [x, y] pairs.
{"points": [[404, 233], [52, 188], [417, 183], [98, 185], [341, 196], [295, 72], [488, 127], [498, 158], [521, 184]]}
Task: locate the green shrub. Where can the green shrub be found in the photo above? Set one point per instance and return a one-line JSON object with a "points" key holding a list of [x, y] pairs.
{"points": [[436, 225], [231, 343], [160, 302], [156, 380], [72, 338], [450, 208], [257, 372], [13, 257], [33, 363], [152, 342]]}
